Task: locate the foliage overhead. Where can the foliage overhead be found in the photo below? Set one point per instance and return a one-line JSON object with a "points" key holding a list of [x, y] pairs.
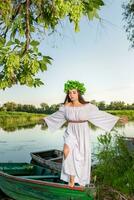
{"points": [[20, 23], [129, 18]]}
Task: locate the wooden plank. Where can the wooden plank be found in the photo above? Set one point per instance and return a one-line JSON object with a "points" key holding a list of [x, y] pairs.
{"points": [[39, 177]]}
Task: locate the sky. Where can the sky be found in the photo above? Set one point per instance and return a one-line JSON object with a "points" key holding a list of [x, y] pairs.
{"points": [[98, 56]]}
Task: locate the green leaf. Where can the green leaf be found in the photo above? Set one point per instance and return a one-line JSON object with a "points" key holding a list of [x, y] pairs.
{"points": [[34, 43], [43, 66], [9, 43], [2, 41], [17, 41], [92, 14], [47, 59], [38, 82]]}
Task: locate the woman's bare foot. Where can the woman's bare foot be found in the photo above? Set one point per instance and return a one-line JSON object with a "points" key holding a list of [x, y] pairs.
{"points": [[71, 182]]}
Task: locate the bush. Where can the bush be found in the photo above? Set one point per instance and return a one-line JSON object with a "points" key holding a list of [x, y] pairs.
{"points": [[115, 168]]}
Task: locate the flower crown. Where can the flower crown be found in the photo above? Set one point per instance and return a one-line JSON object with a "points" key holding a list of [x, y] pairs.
{"points": [[70, 84]]}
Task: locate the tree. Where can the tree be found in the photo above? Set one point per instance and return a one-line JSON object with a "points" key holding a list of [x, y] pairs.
{"points": [[53, 108], [129, 18], [102, 105], [20, 23], [116, 105], [44, 106], [9, 106], [94, 102]]}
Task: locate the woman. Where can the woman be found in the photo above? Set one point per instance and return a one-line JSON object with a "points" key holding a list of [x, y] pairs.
{"points": [[76, 165]]}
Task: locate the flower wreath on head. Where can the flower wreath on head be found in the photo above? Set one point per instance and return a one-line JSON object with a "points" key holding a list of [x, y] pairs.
{"points": [[70, 84]]}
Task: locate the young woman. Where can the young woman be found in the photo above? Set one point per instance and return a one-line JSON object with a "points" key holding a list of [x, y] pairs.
{"points": [[76, 165]]}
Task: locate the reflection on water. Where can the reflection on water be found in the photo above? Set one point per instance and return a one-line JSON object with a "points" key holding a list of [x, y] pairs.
{"points": [[16, 146], [14, 127]]}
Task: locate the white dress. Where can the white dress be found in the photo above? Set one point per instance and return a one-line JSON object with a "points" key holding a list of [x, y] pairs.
{"points": [[77, 137]]}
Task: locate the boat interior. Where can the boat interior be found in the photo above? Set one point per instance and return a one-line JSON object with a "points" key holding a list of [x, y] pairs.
{"points": [[30, 171]]}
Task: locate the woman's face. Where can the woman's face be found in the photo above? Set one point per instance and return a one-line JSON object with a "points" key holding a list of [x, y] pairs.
{"points": [[73, 94]]}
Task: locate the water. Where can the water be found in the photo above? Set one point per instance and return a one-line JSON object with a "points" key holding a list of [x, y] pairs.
{"points": [[15, 146]]}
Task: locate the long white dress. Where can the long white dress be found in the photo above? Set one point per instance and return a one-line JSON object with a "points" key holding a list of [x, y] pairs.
{"points": [[77, 137]]}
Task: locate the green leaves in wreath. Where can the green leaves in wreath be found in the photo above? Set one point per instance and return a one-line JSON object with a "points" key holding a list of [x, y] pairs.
{"points": [[70, 84]]}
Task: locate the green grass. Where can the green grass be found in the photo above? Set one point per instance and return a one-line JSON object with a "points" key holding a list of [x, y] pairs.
{"points": [[11, 121], [9, 113], [115, 167], [128, 113]]}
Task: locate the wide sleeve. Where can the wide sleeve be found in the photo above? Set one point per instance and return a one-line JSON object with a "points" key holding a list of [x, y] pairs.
{"points": [[101, 118], [55, 120]]}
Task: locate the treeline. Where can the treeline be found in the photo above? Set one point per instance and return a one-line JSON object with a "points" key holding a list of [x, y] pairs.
{"points": [[46, 109], [113, 105]]}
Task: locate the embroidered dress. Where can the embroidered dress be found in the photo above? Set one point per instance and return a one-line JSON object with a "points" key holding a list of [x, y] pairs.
{"points": [[78, 137]]}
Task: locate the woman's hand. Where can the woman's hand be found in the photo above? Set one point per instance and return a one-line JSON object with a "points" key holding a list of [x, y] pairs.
{"points": [[43, 123], [123, 119]]}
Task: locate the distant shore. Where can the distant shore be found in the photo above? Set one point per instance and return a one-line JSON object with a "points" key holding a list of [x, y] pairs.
{"points": [[10, 121]]}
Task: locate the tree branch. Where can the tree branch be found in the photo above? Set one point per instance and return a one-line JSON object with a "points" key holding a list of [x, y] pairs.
{"points": [[27, 32]]}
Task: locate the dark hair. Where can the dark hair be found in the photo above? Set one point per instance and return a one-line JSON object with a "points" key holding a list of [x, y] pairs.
{"points": [[80, 98]]}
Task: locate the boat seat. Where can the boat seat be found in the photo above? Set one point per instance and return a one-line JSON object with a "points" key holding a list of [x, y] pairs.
{"points": [[40, 177], [57, 158]]}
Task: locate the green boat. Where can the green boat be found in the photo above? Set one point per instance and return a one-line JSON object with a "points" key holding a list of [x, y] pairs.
{"points": [[31, 182]]}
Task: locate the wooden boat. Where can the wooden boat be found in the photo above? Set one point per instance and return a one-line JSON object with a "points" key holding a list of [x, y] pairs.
{"points": [[129, 141], [30, 182], [51, 159]]}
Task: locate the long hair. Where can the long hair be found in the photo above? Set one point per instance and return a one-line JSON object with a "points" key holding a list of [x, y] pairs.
{"points": [[80, 98]]}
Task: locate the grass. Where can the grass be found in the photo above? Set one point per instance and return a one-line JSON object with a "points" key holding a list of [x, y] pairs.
{"points": [[11, 121], [128, 113]]}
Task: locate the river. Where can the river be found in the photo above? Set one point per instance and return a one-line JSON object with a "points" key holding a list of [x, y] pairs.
{"points": [[15, 146]]}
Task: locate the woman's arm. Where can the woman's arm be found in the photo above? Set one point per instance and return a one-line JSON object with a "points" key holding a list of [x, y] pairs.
{"points": [[101, 119], [55, 120], [104, 119]]}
